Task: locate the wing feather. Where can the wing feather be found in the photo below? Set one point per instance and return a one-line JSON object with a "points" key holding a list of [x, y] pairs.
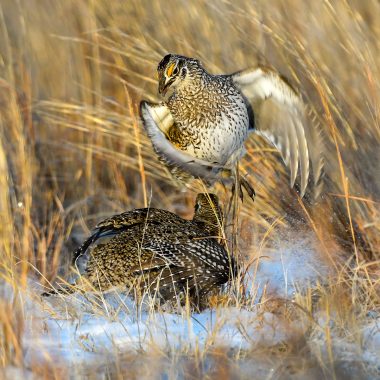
{"points": [[209, 253], [281, 118]]}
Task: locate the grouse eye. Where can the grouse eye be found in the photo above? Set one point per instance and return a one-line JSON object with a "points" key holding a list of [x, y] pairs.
{"points": [[197, 207], [175, 71], [171, 68]]}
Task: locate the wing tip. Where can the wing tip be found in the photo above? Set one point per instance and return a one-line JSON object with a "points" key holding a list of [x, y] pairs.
{"points": [[143, 108]]}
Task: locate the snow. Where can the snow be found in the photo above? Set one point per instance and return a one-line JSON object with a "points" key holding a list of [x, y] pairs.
{"points": [[289, 267], [77, 331], [78, 339], [358, 358], [15, 373]]}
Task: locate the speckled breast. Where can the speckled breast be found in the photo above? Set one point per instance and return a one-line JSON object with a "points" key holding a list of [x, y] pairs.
{"points": [[211, 124]]}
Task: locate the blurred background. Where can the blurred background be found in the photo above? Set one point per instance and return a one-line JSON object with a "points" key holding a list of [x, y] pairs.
{"points": [[73, 151]]}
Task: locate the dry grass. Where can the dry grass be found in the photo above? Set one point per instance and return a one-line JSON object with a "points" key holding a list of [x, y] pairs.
{"points": [[72, 150]]}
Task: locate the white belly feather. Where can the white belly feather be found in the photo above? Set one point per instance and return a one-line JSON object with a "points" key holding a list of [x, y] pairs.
{"points": [[222, 141]]}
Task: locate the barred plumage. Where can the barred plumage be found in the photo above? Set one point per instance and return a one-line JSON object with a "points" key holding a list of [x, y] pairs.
{"points": [[200, 128], [156, 250]]}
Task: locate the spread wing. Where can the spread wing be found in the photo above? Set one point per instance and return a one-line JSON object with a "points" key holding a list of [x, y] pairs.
{"points": [[280, 117], [158, 120]]}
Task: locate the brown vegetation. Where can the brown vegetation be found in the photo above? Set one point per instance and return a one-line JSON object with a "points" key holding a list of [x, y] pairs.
{"points": [[72, 149]]}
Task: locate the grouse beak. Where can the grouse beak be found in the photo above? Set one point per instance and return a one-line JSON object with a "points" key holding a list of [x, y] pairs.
{"points": [[163, 85]]}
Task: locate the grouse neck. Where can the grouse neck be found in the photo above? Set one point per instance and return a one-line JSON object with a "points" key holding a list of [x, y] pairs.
{"points": [[193, 84], [210, 221]]}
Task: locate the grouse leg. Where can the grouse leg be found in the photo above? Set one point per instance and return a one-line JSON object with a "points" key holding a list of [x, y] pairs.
{"points": [[247, 187], [236, 194]]}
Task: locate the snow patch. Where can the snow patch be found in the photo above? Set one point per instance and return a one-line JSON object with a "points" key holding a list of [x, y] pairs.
{"points": [[288, 267]]}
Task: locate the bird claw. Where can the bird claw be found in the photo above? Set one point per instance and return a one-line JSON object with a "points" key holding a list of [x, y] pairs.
{"points": [[247, 187], [243, 183]]}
